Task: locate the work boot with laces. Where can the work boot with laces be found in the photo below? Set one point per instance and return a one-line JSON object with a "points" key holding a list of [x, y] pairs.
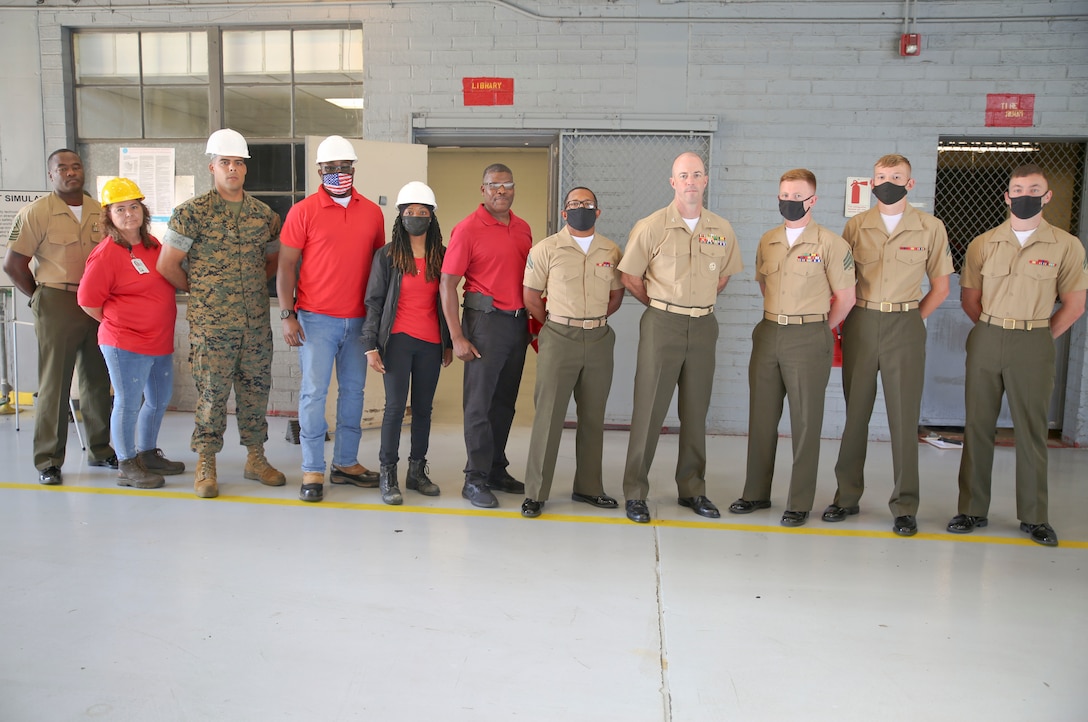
{"points": [[206, 485], [131, 473], [417, 479], [258, 469]]}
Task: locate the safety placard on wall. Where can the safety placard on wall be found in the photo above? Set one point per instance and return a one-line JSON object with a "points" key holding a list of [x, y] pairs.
{"points": [[857, 195], [488, 91], [1009, 110]]}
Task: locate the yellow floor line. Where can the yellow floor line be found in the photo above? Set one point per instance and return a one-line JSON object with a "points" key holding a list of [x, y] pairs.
{"points": [[818, 530]]}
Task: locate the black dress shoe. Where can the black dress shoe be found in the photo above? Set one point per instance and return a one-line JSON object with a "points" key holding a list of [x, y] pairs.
{"points": [[700, 505], [740, 506], [964, 524], [839, 513], [505, 483], [530, 508], [110, 462], [794, 518], [637, 511], [50, 476], [478, 493], [366, 480], [1041, 533], [312, 492], [905, 525], [604, 501]]}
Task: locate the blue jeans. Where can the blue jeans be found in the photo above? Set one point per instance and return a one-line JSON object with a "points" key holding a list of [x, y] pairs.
{"points": [[330, 340], [142, 387]]}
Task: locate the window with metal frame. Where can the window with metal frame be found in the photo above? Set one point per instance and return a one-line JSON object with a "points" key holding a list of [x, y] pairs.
{"points": [[973, 175]]}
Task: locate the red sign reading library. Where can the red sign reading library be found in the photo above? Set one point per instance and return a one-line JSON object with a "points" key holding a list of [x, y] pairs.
{"points": [[1005, 110], [488, 91]]}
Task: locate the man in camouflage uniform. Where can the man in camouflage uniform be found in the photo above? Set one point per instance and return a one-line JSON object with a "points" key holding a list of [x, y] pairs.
{"points": [[231, 241]]}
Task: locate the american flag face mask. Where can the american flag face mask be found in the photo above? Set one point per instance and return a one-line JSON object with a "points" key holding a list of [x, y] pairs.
{"points": [[337, 183]]}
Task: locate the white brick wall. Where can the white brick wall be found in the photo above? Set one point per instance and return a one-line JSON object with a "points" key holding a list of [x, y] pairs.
{"points": [[830, 96], [283, 399]]}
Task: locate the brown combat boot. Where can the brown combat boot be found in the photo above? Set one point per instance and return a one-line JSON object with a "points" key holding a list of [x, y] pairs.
{"points": [[156, 462], [258, 469], [206, 485], [130, 473]]}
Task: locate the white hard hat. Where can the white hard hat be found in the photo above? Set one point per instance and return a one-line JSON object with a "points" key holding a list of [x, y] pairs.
{"points": [[335, 148], [416, 192], [227, 142]]}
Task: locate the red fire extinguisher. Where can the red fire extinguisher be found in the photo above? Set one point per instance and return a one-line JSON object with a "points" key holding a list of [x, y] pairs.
{"points": [[855, 190]]}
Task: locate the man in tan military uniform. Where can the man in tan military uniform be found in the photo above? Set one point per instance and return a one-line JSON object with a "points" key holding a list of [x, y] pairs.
{"points": [[676, 262], [806, 275], [894, 246], [576, 270], [1011, 277], [58, 232], [231, 241]]}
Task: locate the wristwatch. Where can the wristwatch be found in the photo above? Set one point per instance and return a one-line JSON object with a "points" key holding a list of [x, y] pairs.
{"points": [[286, 314]]}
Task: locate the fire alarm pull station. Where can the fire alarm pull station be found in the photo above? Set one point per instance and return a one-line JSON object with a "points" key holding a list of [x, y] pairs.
{"points": [[910, 44]]}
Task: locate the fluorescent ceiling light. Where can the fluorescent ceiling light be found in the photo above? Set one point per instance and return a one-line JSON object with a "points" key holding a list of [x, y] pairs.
{"points": [[347, 103], [988, 148]]}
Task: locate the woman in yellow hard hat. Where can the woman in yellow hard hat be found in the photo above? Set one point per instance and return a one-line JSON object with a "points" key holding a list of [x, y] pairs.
{"points": [[136, 311]]}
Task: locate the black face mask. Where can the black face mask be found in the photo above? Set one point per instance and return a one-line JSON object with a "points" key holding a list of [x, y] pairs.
{"points": [[582, 219], [793, 210], [1025, 207], [416, 225], [889, 193]]}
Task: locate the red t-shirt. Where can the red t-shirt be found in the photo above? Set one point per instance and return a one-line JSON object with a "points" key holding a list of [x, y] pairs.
{"points": [[138, 309], [417, 306], [491, 256], [337, 247]]}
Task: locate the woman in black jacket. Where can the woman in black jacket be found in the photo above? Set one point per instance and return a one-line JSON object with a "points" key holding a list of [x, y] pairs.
{"points": [[405, 335]]}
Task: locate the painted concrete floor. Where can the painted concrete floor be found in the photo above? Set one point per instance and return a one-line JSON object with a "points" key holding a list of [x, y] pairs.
{"points": [[119, 604]]}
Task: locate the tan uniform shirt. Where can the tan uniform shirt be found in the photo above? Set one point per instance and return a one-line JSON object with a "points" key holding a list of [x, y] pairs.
{"points": [[47, 232], [680, 266], [890, 268], [799, 281], [1023, 283], [575, 284]]}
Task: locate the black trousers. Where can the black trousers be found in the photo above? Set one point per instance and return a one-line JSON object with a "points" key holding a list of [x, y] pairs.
{"points": [[491, 388], [409, 363]]}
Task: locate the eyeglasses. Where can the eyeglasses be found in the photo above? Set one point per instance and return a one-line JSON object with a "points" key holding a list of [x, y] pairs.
{"points": [[571, 205], [330, 168], [495, 186]]}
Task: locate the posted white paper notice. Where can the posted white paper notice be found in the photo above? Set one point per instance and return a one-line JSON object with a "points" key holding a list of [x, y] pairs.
{"points": [[858, 191], [153, 170]]}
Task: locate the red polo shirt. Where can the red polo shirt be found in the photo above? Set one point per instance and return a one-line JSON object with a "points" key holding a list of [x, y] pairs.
{"points": [[138, 309], [491, 256], [337, 247]]}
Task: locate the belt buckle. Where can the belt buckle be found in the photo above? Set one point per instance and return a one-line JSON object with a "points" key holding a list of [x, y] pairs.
{"points": [[886, 306], [1009, 324], [783, 320], [589, 324]]}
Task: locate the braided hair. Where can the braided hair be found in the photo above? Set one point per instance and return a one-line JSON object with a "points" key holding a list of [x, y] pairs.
{"points": [[400, 249]]}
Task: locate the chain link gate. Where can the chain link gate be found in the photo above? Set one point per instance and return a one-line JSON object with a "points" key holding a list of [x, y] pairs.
{"points": [[973, 175], [628, 172]]}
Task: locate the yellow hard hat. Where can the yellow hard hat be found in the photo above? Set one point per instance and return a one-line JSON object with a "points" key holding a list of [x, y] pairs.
{"points": [[117, 190]]}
